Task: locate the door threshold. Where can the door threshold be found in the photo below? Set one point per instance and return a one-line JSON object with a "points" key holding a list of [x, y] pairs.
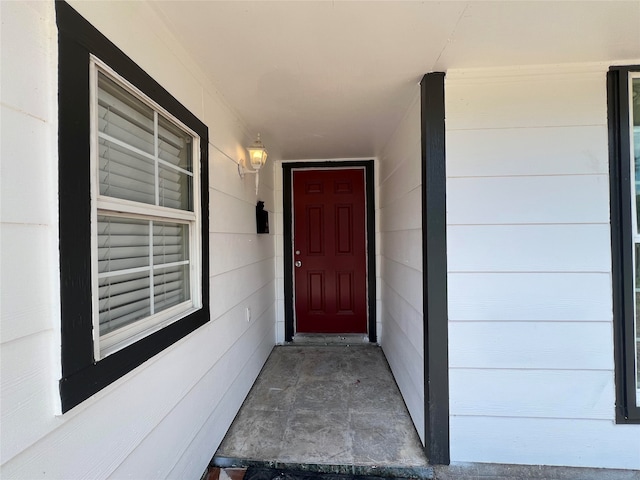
{"points": [[330, 339]]}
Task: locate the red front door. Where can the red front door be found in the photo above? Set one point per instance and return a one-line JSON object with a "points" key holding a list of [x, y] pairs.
{"points": [[329, 251]]}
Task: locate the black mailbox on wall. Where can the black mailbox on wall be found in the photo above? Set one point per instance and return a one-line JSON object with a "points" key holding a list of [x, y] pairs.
{"points": [[262, 218]]}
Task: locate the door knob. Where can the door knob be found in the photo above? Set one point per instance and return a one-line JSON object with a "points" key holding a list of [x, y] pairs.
{"points": [[298, 263]]}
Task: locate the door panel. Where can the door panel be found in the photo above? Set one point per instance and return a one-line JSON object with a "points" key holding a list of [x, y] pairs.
{"points": [[315, 293], [315, 234], [330, 277], [345, 300]]}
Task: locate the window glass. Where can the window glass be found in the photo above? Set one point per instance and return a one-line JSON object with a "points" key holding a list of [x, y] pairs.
{"points": [[174, 145], [143, 256], [123, 117], [125, 174], [176, 169], [170, 243], [171, 286], [123, 271], [141, 160], [143, 269]]}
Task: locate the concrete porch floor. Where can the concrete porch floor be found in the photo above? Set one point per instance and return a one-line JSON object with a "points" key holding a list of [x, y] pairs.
{"points": [[330, 409]]}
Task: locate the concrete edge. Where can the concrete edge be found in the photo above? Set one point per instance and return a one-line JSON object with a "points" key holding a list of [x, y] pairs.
{"points": [[390, 471], [481, 471]]}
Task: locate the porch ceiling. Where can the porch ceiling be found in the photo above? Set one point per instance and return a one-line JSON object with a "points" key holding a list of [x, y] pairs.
{"points": [[332, 79]]}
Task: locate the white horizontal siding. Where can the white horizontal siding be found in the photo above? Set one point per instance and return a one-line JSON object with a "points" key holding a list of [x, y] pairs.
{"points": [[401, 214], [582, 443], [26, 391], [27, 293], [238, 284], [400, 246], [405, 280], [28, 228], [532, 393], [29, 95], [406, 176], [406, 318], [512, 99], [525, 296], [529, 200], [400, 262], [223, 172], [536, 345], [230, 214], [232, 325], [241, 250], [407, 364], [130, 403], [30, 139], [529, 248], [527, 151], [529, 259], [402, 145]]}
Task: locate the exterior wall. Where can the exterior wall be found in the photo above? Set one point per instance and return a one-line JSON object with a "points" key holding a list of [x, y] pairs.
{"points": [[400, 216], [167, 417], [531, 348], [529, 258]]}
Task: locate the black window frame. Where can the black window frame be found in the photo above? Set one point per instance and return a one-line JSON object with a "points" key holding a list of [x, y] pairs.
{"points": [[627, 410], [82, 375]]}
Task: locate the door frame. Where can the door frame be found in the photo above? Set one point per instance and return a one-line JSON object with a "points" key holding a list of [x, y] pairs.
{"points": [[369, 186]]}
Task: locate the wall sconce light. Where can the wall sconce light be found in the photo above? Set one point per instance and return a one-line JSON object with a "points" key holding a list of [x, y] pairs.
{"points": [[257, 158], [257, 154]]}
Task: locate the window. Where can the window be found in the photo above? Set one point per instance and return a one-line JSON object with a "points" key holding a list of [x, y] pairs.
{"points": [[145, 214], [623, 85], [132, 211]]}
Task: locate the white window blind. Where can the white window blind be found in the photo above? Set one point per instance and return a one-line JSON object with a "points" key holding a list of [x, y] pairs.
{"points": [[143, 156], [142, 265], [142, 269]]}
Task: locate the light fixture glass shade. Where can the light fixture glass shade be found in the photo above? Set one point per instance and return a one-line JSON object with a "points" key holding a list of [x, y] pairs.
{"points": [[257, 154]]}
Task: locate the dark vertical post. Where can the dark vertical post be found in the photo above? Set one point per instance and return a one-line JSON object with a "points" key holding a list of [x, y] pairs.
{"points": [[434, 264], [617, 265]]}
